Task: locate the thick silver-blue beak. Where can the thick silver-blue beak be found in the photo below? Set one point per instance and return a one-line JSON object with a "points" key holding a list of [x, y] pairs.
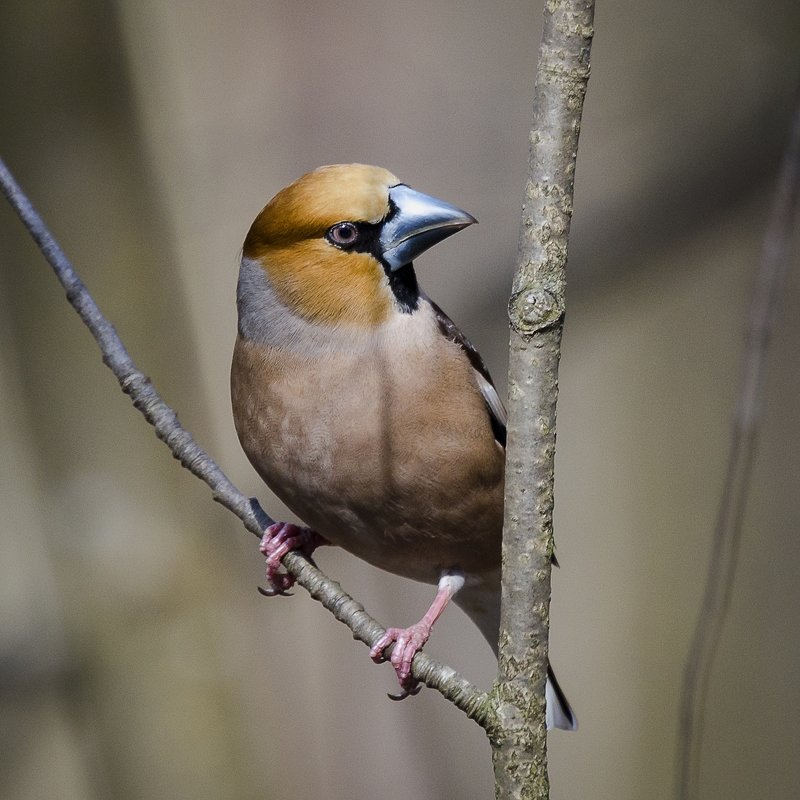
{"points": [[419, 222]]}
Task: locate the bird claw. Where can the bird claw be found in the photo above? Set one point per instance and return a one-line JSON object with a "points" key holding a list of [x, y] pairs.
{"points": [[279, 539], [273, 592], [405, 692]]}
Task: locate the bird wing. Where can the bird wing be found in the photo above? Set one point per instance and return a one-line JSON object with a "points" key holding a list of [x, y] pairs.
{"points": [[494, 405]]}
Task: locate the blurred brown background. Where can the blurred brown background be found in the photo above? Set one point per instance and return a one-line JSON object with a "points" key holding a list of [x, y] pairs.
{"points": [[136, 658]]}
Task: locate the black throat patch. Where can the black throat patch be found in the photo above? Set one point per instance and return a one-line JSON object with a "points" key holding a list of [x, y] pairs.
{"points": [[403, 283]]}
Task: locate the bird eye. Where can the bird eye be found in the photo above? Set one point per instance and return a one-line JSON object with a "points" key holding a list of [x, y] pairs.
{"points": [[343, 234]]}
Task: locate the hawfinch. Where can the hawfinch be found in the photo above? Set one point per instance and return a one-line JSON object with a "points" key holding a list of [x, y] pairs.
{"points": [[362, 405]]}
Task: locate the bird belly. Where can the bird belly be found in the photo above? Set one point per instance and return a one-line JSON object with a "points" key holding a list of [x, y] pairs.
{"points": [[375, 463]]}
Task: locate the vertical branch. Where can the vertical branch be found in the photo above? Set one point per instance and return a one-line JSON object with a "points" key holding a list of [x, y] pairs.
{"points": [[728, 527], [536, 312]]}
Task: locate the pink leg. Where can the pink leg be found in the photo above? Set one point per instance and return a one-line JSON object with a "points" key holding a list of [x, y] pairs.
{"points": [[409, 641], [276, 542]]}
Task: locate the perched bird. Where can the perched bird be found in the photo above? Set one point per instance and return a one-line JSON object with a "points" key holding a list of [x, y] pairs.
{"points": [[362, 405]]}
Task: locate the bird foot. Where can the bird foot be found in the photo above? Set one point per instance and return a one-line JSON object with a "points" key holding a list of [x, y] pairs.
{"points": [[408, 642], [276, 542]]}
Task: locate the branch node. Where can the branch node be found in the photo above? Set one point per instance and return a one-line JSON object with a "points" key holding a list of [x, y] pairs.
{"points": [[133, 382], [532, 311]]}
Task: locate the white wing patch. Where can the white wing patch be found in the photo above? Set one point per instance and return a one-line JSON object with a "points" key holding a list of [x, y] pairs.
{"points": [[492, 398]]}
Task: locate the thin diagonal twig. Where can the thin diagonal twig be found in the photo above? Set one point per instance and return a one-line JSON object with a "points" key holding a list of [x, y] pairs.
{"points": [[184, 448], [728, 527]]}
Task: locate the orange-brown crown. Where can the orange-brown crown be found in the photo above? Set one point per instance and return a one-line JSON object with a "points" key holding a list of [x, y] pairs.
{"points": [[308, 207]]}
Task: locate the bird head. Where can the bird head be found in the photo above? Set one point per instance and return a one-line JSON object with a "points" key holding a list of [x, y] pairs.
{"points": [[337, 245]]}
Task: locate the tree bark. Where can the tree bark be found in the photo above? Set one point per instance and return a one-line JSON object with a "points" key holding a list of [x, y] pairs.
{"points": [[536, 313]]}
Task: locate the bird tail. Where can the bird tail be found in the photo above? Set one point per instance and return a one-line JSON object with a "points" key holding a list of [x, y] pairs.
{"points": [[482, 606]]}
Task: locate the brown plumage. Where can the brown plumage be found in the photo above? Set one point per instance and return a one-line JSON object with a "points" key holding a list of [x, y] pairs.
{"points": [[360, 403]]}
